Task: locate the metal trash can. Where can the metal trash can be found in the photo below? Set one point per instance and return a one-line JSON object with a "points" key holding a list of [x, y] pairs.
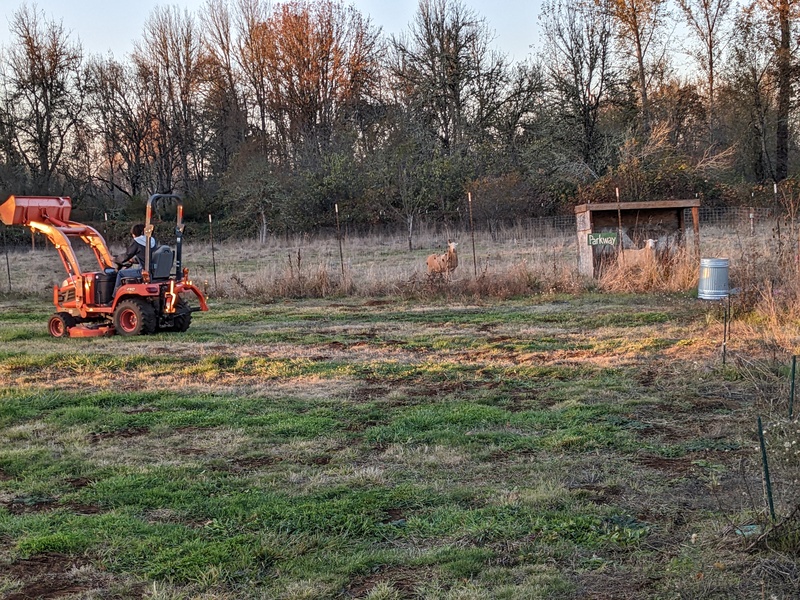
{"points": [[713, 283]]}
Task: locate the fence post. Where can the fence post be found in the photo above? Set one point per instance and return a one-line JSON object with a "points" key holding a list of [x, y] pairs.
{"points": [[725, 326], [213, 254], [339, 236], [8, 263], [791, 387], [619, 226], [472, 231], [767, 481]]}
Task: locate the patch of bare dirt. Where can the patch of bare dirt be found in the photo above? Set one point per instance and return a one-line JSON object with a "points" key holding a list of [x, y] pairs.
{"points": [[22, 505], [54, 575], [403, 580], [320, 460], [378, 303], [647, 377], [46, 576], [676, 466], [598, 493], [252, 463], [613, 585], [128, 432], [83, 509], [394, 515], [369, 392], [78, 482], [664, 432], [714, 404]]}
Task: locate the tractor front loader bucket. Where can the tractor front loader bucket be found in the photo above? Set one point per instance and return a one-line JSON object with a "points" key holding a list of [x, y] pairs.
{"points": [[21, 210]]}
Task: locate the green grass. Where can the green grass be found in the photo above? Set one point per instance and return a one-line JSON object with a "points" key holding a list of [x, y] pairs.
{"points": [[329, 450]]}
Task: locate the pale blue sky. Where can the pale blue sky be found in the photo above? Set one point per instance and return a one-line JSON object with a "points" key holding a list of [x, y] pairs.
{"points": [[103, 25]]}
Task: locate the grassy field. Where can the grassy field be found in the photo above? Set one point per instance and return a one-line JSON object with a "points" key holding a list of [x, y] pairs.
{"points": [[559, 446], [352, 430]]}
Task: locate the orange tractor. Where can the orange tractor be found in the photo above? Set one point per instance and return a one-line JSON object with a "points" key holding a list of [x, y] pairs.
{"points": [[86, 305]]}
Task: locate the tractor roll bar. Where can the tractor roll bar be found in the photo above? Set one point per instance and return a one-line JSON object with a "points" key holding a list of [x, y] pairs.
{"points": [[148, 231]]}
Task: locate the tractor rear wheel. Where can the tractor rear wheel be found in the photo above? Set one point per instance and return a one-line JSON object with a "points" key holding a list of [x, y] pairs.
{"points": [[59, 324], [135, 317]]}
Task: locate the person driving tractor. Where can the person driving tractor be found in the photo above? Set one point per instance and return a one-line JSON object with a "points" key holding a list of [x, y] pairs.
{"points": [[134, 254]]}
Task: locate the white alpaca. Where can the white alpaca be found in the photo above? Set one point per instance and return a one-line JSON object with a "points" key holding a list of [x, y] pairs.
{"points": [[638, 257]]}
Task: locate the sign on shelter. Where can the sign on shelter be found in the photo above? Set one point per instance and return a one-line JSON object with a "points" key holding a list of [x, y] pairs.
{"points": [[604, 238], [634, 223]]}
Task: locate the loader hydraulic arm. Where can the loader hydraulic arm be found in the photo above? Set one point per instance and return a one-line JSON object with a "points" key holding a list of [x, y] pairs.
{"points": [[50, 216]]}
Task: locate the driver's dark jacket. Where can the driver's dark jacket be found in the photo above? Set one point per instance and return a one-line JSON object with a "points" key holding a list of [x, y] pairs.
{"points": [[135, 250]]}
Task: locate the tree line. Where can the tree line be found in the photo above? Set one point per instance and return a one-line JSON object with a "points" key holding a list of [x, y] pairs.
{"points": [[270, 116]]}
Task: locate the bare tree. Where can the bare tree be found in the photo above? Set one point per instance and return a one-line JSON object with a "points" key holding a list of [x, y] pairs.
{"points": [[640, 23], [706, 20], [43, 95], [751, 89], [579, 65], [761, 73], [13, 173], [170, 62], [522, 100], [321, 61], [122, 118], [440, 63], [783, 11], [252, 43], [225, 113]]}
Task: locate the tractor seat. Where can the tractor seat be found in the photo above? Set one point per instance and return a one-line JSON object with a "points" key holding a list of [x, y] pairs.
{"points": [[161, 262]]}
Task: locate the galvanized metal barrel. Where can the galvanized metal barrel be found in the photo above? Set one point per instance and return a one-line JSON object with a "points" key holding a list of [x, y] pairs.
{"points": [[713, 284]]}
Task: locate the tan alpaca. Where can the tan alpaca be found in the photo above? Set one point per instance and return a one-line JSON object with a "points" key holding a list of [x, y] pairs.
{"points": [[442, 265]]}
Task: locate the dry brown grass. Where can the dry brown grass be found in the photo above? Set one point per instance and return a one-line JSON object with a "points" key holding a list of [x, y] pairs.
{"points": [[764, 269], [676, 273], [373, 266]]}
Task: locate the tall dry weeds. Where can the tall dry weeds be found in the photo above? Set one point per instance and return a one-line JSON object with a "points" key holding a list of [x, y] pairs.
{"points": [[666, 273]]}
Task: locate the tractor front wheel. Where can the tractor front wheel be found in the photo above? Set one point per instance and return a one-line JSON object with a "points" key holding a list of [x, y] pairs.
{"points": [[59, 324], [135, 317]]}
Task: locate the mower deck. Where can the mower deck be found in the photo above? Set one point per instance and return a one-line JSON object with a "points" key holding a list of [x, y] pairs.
{"points": [[83, 330]]}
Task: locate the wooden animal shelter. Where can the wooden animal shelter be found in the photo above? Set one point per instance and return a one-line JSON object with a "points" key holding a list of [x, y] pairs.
{"points": [[630, 224]]}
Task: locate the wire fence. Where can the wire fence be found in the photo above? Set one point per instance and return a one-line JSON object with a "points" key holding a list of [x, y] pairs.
{"points": [[737, 218], [522, 230]]}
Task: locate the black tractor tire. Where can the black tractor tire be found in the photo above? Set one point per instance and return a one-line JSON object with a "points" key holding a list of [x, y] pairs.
{"points": [[183, 316], [181, 319], [59, 324], [134, 316]]}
